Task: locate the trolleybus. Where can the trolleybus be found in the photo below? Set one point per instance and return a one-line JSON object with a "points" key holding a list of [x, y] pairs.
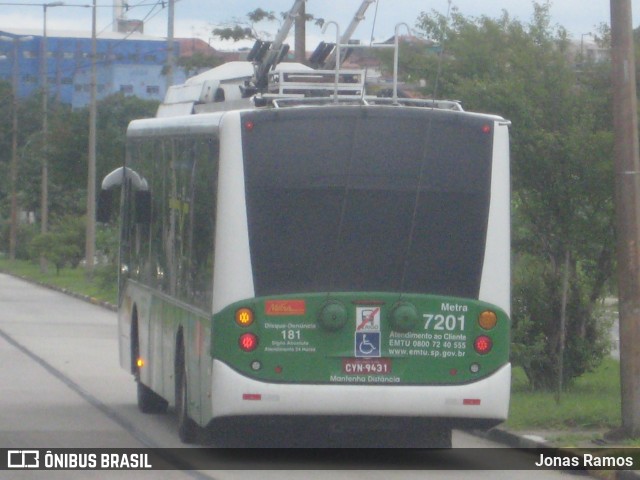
{"points": [[339, 260]]}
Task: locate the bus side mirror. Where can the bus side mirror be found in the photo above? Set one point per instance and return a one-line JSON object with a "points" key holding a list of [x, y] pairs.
{"points": [[105, 205], [143, 207]]}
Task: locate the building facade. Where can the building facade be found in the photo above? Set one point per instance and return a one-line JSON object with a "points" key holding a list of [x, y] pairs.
{"points": [[126, 62]]}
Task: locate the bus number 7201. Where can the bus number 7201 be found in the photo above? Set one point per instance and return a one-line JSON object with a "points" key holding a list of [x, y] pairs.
{"points": [[440, 322]]}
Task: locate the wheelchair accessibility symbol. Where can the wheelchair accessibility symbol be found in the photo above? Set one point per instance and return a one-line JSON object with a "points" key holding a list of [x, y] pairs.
{"points": [[367, 344]]}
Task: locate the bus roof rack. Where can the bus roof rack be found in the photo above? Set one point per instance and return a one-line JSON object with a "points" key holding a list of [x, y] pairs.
{"points": [[317, 83], [319, 87], [416, 102], [278, 101]]}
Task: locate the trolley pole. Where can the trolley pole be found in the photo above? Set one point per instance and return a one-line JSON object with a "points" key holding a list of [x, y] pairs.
{"points": [[627, 198], [301, 35]]}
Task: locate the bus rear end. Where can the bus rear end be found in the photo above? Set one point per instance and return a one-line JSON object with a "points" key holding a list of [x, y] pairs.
{"points": [[362, 265]]}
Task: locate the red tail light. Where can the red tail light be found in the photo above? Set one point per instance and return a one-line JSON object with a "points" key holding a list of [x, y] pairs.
{"points": [[248, 342], [483, 344]]}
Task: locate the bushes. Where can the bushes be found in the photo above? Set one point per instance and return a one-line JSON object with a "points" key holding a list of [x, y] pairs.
{"points": [[537, 303], [62, 245], [25, 234]]}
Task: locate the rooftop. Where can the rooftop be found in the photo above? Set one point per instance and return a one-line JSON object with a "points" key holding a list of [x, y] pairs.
{"points": [[34, 32]]}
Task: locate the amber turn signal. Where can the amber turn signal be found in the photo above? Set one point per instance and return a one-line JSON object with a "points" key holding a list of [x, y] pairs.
{"points": [[244, 317], [487, 319]]}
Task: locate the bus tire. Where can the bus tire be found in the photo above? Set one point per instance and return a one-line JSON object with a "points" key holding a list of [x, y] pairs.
{"points": [[149, 401], [188, 430]]}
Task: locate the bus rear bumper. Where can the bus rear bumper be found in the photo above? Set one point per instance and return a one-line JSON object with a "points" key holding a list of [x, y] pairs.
{"points": [[234, 395]]}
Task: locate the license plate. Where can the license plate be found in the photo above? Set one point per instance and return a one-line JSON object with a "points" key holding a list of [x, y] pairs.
{"points": [[359, 366]]}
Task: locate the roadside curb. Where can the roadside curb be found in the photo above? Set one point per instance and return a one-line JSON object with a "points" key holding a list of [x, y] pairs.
{"points": [[524, 441], [511, 439]]}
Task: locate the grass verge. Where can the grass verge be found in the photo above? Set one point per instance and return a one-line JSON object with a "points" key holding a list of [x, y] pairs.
{"points": [[586, 410], [592, 402], [73, 279]]}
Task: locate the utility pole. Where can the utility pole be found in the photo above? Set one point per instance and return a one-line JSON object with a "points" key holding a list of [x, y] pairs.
{"points": [[627, 197], [90, 242], [170, 60], [44, 188], [44, 200], [13, 229]]}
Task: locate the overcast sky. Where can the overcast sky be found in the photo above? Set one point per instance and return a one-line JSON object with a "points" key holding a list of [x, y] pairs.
{"points": [[199, 17]]}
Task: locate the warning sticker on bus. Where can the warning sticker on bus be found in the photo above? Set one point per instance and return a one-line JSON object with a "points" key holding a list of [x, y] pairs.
{"points": [[359, 366]]}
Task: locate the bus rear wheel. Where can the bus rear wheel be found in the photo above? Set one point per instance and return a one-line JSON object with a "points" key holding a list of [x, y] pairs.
{"points": [[188, 430]]}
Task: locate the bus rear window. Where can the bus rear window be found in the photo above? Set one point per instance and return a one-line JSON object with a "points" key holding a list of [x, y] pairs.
{"points": [[334, 203]]}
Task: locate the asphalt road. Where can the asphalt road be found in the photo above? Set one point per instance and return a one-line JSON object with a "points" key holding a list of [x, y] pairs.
{"points": [[61, 387]]}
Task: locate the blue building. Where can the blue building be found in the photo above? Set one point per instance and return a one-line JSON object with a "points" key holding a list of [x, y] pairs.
{"points": [[126, 62], [141, 80]]}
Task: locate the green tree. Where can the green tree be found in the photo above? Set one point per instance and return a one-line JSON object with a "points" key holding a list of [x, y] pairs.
{"points": [[245, 29], [248, 29], [63, 244], [69, 144], [197, 62], [561, 174], [67, 151], [114, 114], [5, 153]]}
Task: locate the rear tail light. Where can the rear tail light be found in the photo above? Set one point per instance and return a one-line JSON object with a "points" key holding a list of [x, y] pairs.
{"points": [[248, 342], [483, 344]]}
